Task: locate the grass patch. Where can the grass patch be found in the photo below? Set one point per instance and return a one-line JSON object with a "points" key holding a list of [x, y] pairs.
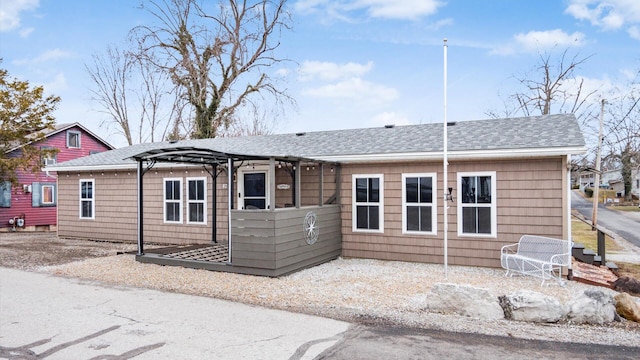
{"points": [[626, 208], [629, 269], [581, 233]]}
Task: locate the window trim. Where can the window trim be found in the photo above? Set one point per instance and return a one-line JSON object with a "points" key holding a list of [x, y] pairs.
{"points": [[492, 205], [53, 194], [355, 204], [92, 199], [203, 201], [434, 203], [164, 201], [73, 132]]}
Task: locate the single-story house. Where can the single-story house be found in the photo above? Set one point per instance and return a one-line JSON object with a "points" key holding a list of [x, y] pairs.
{"points": [[295, 200]]}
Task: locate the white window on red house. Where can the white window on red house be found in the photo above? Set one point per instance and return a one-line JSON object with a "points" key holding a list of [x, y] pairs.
{"points": [[73, 139], [42, 194]]}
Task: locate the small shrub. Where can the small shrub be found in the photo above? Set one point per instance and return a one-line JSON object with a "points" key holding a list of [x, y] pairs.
{"points": [[588, 192]]}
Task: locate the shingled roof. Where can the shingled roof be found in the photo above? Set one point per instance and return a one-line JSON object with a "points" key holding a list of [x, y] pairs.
{"points": [[492, 138]]}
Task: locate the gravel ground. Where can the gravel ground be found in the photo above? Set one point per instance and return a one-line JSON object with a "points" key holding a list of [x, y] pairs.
{"points": [[357, 290]]}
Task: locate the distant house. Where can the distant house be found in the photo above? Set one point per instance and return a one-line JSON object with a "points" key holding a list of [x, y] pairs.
{"points": [[273, 204], [32, 204]]}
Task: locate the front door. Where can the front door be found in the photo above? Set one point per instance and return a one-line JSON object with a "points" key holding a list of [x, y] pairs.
{"points": [[254, 192]]}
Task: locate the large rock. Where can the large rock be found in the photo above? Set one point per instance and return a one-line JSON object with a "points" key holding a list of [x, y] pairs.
{"points": [[463, 300], [627, 307], [592, 307], [627, 284], [526, 305]]}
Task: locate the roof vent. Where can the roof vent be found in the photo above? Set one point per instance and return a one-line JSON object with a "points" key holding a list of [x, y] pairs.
{"points": [[301, 134], [390, 126]]}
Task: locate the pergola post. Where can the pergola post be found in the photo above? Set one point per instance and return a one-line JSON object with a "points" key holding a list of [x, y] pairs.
{"points": [[321, 188], [214, 203], [297, 172], [140, 210], [230, 202], [272, 183]]}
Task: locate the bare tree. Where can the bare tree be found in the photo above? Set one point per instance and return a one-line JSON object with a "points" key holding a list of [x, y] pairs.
{"points": [[622, 139], [218, 57], [139, 100], [550, 87], [110, 74]]}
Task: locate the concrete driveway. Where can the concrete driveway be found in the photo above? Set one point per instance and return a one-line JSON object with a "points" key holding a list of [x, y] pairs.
{"points": [[43, 316]]}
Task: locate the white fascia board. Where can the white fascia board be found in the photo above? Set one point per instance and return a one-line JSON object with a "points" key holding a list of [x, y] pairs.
{"points": [[455, 155], [127, 166]]}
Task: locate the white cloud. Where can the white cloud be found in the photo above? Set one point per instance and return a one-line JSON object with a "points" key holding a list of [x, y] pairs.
{"points": [[634, 32], [49, 55], [354, 89], [389, 9], [26, 32], [328, 71], [57, 85], [10, 12], [538, 41], [608, 15]]}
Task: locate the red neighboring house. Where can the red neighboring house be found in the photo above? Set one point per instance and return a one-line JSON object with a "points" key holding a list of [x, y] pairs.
{"points": [[32, 205]]}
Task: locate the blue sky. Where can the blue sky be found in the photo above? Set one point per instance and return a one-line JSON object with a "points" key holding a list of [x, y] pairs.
{"points": [[356, 63]]}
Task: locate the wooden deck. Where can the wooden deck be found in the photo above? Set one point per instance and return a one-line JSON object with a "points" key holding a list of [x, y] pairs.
{"points": [[266, 243]]}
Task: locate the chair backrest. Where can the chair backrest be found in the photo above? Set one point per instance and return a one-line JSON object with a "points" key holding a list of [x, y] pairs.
{"points": [[541, 248]]}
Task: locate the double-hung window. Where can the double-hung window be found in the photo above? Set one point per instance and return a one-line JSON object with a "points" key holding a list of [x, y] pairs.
{"points": [[173, 200], [477, 204], [368, 203], [196, 200], [87, 199], [419, 204]]}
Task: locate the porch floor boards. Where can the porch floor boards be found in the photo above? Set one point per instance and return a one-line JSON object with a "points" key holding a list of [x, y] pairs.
{"points": [[211, 253]]}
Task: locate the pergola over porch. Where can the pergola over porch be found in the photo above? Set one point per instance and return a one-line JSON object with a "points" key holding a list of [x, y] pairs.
{"points": [[268, 241]]}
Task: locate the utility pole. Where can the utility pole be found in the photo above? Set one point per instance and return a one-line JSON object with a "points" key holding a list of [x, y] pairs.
{"points": [[596, 190]]}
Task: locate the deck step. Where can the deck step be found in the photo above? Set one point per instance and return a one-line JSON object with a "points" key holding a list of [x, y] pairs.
{"points": [[611, 265], [585, 255], [597, 260]]}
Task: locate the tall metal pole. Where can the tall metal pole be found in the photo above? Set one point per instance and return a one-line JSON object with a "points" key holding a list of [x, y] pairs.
{"points": [[140, 173], [445, 164], [596, 191]]}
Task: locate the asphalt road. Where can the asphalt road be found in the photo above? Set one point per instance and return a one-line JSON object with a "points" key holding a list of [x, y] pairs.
{"points": [[48, 317], [624, 225]]}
